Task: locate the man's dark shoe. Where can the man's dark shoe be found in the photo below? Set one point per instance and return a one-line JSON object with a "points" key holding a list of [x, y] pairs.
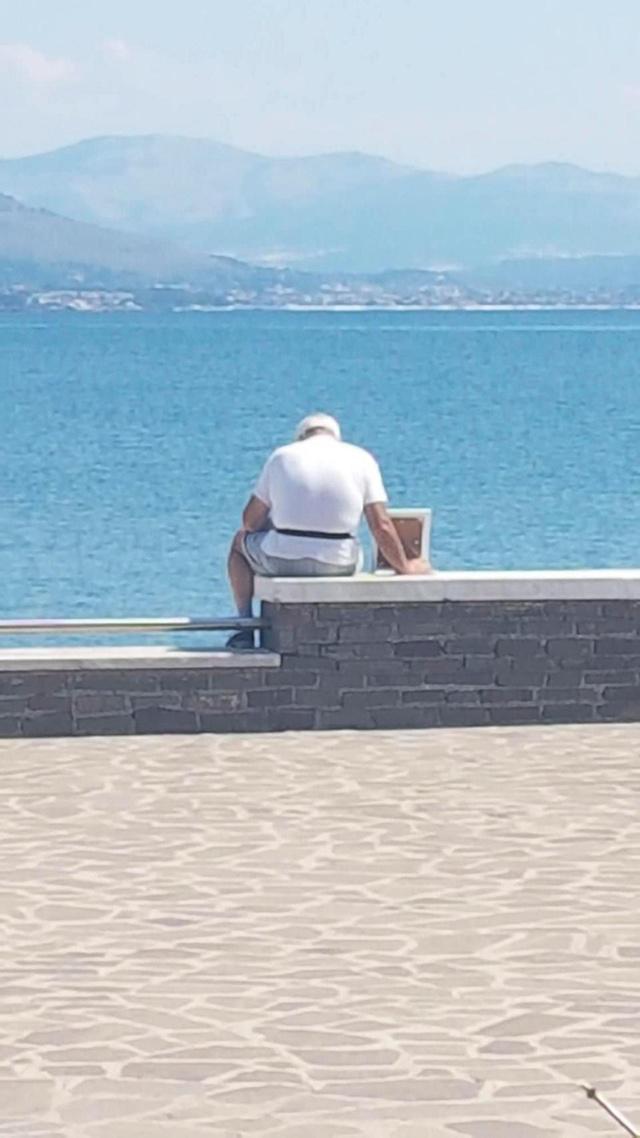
{"points": [[241, 640]]}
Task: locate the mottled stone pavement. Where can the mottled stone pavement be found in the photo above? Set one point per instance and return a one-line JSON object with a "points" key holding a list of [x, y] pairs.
{"points": [[401, 935]]}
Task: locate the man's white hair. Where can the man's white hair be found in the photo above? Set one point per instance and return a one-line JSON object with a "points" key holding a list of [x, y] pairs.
{"points": [[318, 422]]}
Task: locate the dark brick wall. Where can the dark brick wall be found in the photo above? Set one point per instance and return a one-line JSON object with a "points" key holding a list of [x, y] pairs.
{"points": [[136, 701], [457, 664], [365, 666]]}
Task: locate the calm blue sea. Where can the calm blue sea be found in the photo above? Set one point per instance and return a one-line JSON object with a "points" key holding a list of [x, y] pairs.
{"points": [[129, 443]]}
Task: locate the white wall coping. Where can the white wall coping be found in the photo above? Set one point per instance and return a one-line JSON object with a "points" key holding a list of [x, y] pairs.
{"points": [[146, 657], [387, 588]]}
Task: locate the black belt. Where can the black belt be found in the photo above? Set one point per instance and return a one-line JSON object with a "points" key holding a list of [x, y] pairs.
{"points": [[314, 533]]}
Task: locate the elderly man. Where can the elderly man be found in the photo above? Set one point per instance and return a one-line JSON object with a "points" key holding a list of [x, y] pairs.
{"points": [[302, 517]]}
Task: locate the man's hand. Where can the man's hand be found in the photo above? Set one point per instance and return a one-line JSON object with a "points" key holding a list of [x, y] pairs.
{"points": [[417, 567]]}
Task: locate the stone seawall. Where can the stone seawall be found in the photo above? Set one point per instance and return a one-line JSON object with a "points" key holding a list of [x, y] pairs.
{"points": [[456, 664], [451, 651], [143, 691]]}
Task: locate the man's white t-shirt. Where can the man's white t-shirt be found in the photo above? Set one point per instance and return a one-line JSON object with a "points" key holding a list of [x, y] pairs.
{"points": [[319, 484]]}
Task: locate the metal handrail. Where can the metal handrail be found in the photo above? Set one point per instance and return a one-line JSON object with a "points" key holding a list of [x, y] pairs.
{"points": [[131, 624]]}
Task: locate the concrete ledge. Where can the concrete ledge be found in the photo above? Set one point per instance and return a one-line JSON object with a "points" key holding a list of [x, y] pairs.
{"points": [[133, 659], [387, 588]]}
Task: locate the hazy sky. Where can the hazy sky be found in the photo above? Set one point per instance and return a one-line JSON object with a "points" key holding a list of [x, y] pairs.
{"points": [[458, 85]]}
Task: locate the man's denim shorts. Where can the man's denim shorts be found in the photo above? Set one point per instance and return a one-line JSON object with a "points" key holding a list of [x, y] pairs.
{"points": [[266, 566]]}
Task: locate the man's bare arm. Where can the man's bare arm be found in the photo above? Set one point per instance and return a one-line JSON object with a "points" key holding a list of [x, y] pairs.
{"points": [[255, 515], [389, 544]]}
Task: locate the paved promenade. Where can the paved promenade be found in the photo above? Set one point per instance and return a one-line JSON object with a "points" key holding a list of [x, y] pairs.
{"points": [[402, 935]]}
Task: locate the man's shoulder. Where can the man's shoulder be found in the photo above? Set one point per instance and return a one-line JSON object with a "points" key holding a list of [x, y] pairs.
{"points": [[280, 451], [358, 454]]}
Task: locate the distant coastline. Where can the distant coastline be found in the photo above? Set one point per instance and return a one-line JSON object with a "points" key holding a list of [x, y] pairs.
{"points": [[397, 293], [90, 306]]}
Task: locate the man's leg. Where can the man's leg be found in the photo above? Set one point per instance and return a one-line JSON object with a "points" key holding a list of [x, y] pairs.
{"points": [[241, 576]]}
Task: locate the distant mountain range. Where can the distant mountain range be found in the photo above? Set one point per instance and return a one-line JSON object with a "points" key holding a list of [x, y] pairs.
{"points": [[40, 251], [39, 248], [335, 212]]}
